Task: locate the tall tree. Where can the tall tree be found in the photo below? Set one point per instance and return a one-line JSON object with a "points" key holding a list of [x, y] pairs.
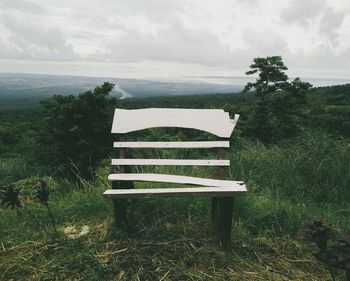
{"points": [[75, 135], [278, 101], [271, 76]]}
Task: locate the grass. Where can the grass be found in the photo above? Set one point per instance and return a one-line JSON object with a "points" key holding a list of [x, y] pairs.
{"points": [[16, 167], [173, 239], [164, 244], [316, 168]]}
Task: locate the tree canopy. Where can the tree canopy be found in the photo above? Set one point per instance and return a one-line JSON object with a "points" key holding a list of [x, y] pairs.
{"points": [[75, 135]]}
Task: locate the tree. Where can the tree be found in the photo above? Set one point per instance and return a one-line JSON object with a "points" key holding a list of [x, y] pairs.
{"points": [[278, 102], [75, 135], [271, 76]]}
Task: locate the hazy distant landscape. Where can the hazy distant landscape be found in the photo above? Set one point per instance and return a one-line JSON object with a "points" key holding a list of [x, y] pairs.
{"points": [[48, 85], [38, 86]]}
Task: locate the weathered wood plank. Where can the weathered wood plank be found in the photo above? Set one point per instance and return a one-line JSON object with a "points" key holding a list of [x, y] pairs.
{"points": [[164, 192], [176, 144], [177, 179], [214, 121], [170, 162]]}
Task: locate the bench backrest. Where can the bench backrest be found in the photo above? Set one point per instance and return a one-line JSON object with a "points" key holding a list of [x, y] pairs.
{"points": [[213, 121]]}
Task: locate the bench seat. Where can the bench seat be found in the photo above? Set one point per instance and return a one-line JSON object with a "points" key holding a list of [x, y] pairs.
{"points": [[165, 178]]}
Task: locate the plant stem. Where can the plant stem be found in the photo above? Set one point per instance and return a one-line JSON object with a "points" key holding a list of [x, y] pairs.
{"points": [[52, 219]]}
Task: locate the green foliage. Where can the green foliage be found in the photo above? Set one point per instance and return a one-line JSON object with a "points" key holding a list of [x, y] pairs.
{"points": [[278, 102], [334, 118], [16, 137], [75, 136], [337, 94]]}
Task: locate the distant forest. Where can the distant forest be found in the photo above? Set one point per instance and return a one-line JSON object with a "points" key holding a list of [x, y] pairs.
{"points": [[327, 108]]}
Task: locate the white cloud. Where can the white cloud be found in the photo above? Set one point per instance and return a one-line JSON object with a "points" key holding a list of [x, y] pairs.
{"points": [[175, 43], [22, 6], [331, 21], [302, 12], [316, 17], [321, 56], [218, 36], [30, 40], [266, 42]]}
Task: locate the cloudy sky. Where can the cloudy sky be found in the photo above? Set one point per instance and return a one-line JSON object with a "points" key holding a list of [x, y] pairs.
{"points": [[172, 39]]}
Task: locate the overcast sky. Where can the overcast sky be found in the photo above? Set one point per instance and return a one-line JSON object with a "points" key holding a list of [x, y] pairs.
{"points": [[171, 39]]}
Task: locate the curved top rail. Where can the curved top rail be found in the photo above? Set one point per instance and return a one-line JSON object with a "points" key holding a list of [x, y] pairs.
{"points": [[214, 121]]}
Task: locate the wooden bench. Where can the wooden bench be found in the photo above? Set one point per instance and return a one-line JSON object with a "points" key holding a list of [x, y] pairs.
{"points": [[213, 121]]}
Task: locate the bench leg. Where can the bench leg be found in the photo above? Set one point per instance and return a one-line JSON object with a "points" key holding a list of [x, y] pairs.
{"points": [[214, 208], [121, 205], [225, 219]]}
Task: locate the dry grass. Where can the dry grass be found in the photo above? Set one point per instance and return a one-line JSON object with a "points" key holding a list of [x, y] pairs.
{"points": [[101, 255]]}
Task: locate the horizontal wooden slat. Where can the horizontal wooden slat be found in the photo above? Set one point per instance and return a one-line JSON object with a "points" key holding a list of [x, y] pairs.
{"points": [[165, 192], [174, 179], [170, 162], [214, 121], [176, 144]]}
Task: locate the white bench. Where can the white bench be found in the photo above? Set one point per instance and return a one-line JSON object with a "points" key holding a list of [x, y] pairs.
{"points": [[214, 121]]}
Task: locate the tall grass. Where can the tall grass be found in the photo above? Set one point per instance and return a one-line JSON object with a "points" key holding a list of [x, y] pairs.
{"points": [[14, 169], [315, 168]]}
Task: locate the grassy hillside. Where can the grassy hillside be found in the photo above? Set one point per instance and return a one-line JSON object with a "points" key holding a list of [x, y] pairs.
{"points": [[307, 176], [174, 239]]}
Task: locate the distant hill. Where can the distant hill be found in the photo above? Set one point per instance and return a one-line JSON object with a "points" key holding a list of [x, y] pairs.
{"points": [[334, 90], [47, 85], [336, 95]]}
